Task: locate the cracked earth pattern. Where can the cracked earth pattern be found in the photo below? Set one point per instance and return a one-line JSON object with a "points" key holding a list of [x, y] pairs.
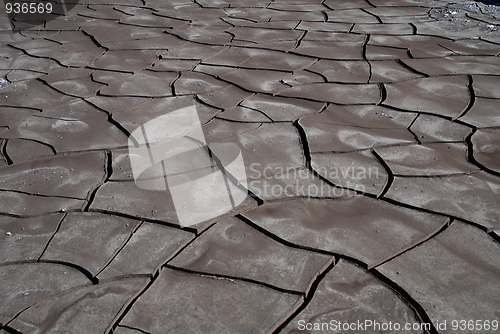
{"points": [[387, 110]]}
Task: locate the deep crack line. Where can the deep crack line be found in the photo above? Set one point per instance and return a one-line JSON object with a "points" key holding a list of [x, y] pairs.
{"points": [[120, 127], [308, 161], [234, 278], [363, 51], [416, 208], [419, 142], [383, 92], [108, 171], [227, 175], [3, 150], [418, 310], [134, 329], [296, 246], [409, 68], [375, 16], [130, 303], [52, 237], [390, 174], [145, 219], [40, 195], [119, 249], [10, 330], [308, 297], [472, 159], [81, 269], [38, 301], [472, 98], [299, 40], [446, 223], [307, 157]]}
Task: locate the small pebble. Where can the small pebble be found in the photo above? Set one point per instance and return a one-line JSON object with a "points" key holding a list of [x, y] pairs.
{"points": [[9, 233]]}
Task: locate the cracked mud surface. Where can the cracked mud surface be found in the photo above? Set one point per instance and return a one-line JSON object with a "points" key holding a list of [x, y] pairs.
{"points": [[370, 135]]}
